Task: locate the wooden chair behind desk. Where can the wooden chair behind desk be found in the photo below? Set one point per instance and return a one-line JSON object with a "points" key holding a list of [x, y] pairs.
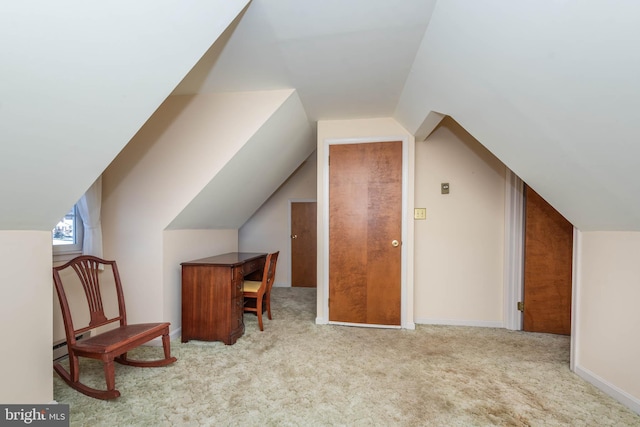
{"points": [[108, 346], [257, 294]]}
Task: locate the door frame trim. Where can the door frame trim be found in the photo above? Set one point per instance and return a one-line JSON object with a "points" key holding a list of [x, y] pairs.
{"points": [[514, 264], [406, 263], [514, 250]]}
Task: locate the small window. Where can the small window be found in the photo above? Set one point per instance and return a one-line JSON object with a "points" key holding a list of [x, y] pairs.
{"points": [[68, 233]]}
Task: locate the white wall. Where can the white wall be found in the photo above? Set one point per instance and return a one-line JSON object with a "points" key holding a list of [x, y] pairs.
{"points": [[459, 248], [26, 314], [371, 129], [607, 319], [268, 230], [171, 159]]}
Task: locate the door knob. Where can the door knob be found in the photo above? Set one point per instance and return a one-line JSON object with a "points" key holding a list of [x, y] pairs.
{"points": [[395, 243], [294, 236]]}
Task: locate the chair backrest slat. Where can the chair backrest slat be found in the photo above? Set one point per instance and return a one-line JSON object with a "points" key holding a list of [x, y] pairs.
{"points": [[271, 271], [88, 270]]}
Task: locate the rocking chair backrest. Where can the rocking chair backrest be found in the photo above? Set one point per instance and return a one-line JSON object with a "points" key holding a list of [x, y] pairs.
{"points": [[89, 270]]}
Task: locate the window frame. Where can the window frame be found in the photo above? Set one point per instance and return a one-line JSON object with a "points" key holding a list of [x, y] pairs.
{"points": [[68, 251]]}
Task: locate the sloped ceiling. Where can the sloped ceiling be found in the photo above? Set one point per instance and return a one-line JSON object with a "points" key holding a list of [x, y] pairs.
{"points": [[549, 87], [245, 182], [78, 79], [346, 59]]}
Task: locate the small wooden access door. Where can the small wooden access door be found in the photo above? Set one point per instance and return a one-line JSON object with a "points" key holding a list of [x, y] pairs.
{"points": [[548, 263], [303, 244], [365, 229]]}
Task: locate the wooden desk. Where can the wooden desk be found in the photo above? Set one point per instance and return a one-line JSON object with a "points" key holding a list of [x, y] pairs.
{"points": [[212, 302]]}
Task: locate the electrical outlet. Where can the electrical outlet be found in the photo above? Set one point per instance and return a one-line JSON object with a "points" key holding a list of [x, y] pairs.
{"points": [[420, 213]]}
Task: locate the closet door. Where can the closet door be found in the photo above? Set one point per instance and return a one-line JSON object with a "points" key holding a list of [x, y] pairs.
{"points": [[303, 244], [365, 229], [548, 263]]}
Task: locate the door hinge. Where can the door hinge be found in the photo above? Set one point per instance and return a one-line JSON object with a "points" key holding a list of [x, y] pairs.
{"points": [[520, 306]]}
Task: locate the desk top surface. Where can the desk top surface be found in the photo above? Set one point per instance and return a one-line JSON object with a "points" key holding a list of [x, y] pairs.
{"points": [[229, 259]]}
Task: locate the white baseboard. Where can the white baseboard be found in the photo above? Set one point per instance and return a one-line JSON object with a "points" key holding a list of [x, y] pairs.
{"points": [[323, 321], [409, 325], [176, 333], [448, 322], [365, 325], [452, 322], [620, 395]]}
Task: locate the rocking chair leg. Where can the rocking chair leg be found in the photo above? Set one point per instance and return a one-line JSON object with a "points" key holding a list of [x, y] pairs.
{"points": [[110, 375], [74, 367], [166, 345]]}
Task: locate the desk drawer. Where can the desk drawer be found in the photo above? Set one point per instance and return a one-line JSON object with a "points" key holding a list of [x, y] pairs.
{"points": [[237, 310], [256, 265], [236, 288]]}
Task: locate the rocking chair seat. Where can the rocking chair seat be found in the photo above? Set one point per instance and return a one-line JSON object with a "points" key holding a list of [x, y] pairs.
{"points": [[121, 338]]}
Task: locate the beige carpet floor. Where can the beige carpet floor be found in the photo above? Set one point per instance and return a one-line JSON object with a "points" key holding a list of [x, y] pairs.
{"points": [[297, 373]]}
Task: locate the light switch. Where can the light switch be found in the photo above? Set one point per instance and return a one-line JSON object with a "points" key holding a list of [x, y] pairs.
{"points": [[444, 188], [420, 213]]}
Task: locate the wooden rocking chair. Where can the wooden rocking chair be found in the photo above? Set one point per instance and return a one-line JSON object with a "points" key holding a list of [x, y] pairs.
{"points": [[108, 346]]}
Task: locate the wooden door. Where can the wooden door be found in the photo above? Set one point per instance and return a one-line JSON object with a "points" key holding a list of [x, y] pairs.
{"points": [[365, 218], [548, 263], [303, 244]]}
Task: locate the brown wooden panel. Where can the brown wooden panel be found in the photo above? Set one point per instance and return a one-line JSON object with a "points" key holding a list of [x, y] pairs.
{"points": [[547, 267], [212, 297], [365, 199], [303, 244], [206, 296]]}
